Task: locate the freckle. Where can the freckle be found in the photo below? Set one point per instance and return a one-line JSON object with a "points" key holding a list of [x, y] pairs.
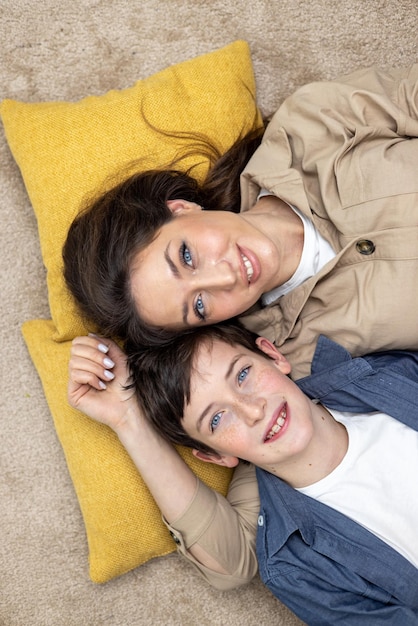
{"points": [[310, 464], [323, 418]]}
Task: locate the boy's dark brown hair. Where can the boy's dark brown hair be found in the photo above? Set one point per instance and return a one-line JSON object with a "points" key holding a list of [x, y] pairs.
{"points": [[161, 376]]}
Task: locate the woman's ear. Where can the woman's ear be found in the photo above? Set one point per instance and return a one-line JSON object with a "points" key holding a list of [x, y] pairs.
{"points": [[179, 207], [270, 350], [218, 459]]}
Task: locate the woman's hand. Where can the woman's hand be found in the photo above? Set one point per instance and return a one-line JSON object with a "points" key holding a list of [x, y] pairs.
{"points": [[98, 374]]}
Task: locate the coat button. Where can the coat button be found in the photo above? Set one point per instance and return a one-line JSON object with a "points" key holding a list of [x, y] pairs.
{"points": [[365, 246], [176, 539]]}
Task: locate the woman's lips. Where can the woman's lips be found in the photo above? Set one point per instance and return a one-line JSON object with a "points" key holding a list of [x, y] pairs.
{"points": [[277, 424], [250, 266]]}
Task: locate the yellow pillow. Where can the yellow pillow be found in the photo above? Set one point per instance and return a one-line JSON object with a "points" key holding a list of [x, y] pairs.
{"points": [[123, 523], [67, 151]]}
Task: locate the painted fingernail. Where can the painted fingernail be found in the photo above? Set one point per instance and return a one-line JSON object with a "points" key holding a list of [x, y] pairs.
{"points": [[102, 385], [108, 362], [109, 375], [103, 348]]}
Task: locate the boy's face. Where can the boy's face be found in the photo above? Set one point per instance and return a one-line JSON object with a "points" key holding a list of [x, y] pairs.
{"points": [[244, 406]]}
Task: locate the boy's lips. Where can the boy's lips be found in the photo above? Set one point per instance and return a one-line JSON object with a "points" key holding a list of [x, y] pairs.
{"points": [[277, 423]]}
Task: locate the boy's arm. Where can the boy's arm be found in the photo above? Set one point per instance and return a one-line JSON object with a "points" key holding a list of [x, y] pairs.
{"points": [[227, 531], [216, 534], [97, 388]]}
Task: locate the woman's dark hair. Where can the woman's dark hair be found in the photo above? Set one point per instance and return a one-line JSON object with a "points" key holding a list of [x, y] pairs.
{"points": [[161, 376], [106, 236]]}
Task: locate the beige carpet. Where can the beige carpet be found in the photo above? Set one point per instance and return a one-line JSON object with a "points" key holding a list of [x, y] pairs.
{"points": [[54, 49]]}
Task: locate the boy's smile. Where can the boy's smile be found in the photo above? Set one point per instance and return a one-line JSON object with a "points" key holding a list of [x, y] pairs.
{"points": [[244, 406], [279, 424]]}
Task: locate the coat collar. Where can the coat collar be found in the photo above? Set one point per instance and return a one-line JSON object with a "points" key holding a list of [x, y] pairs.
{"points": [[270, 168]]}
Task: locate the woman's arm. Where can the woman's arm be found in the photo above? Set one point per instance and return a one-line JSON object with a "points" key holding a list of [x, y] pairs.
{"points": [[209, 530]]}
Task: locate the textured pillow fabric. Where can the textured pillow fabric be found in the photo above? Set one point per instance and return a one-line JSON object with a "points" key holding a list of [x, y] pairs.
{"points": [[123, 523], [67, 152]]}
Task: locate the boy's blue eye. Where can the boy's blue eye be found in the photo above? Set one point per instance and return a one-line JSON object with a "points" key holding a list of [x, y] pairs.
{"points": [[243, 375], [186, 256], [214, 422]]}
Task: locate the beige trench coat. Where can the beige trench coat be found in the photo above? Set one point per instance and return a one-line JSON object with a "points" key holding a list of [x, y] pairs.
{"points": [[346, 154]]}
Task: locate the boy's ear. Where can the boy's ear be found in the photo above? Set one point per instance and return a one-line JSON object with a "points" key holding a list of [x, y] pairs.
{"points": [[218, 459], [270, 350], [180, 207]]}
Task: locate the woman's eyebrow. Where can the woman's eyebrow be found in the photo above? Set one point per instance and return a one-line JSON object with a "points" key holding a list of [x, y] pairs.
{"points": [[170, 263], [185, 314]]}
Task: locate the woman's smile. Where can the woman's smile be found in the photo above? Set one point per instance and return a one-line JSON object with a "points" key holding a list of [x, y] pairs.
{"points": [[207, 266], [250, 265]]}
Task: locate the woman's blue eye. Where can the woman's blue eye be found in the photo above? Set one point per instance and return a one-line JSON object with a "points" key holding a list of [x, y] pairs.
{"points": [[199, 308], [243, 375], [185, 255], [186, 259], [214, 422]]}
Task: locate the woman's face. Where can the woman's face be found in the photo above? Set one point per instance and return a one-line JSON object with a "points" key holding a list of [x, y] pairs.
{"points": [[203, 267]]}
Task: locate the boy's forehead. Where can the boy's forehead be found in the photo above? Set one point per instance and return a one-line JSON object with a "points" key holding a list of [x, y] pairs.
{"points": [[213, 347], [211, 363], [214, 357], [207, 355]]}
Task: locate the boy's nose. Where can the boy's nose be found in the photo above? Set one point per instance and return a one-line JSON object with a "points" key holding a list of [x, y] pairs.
{"points": [[253, 410]]}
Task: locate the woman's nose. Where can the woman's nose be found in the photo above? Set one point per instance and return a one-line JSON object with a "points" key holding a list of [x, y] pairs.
{"points": [[219, 276]]}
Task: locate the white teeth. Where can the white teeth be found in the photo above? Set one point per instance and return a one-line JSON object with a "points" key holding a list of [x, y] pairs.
{"points": [[277, 426], [248, 267]]}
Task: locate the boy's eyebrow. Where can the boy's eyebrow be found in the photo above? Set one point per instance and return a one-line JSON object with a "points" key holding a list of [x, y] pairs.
{"points": [[174, 270], [209, 407]]}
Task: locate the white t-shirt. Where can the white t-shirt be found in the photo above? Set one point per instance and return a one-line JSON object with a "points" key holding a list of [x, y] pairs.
{"points": [[316, 253], [375, 483]]}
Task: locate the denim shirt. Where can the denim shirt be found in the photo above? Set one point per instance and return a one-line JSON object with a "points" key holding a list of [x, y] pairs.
{"points": [[325, 567]]}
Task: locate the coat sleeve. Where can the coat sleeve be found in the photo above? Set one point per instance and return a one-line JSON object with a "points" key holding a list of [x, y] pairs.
{"points": [[350, 142], [224, 527], [370, 98], [397, 86]]}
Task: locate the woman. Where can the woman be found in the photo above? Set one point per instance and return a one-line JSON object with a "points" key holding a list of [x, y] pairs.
{"points": [[326, 240]]}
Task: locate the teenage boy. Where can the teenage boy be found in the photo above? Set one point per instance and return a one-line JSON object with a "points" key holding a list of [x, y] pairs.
{"points": [[337, 539]]}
